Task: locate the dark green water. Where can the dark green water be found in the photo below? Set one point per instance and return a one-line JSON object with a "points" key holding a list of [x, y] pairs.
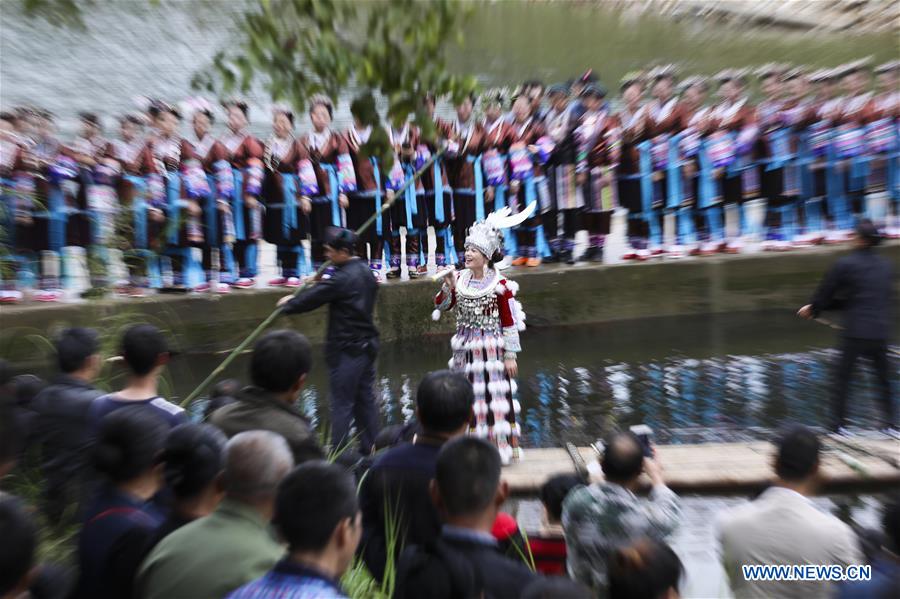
{"points": [[690, 378], [700, 378]]}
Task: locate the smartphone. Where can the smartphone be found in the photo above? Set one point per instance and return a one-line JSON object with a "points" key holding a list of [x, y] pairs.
{"points": [[645, 435]]}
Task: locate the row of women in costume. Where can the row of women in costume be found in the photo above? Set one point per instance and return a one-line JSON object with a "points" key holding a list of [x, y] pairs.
{"points": [[696, 176], [147, 193], [153, 193], [693, 175], [818, 149]]}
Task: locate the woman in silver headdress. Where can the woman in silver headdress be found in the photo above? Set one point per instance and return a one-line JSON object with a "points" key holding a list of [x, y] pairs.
{"points": [[488, 321]]}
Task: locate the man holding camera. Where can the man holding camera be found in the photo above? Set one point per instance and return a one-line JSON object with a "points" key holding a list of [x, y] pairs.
{"points": [[599, 517]]}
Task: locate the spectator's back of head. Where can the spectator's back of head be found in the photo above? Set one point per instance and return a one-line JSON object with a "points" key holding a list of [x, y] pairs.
{"points": [[444, 402], [26, 387], [280, 360], [255, 463], [18, 547], [315, 502], [129, 442], [556, 587], [797, 458], [194, 456], [554, 492], [144, 348], [222, 394], [74, 347], [467, 476], [868, 232], [225, 388], [643, 569], [388, 436], [623, 458]]}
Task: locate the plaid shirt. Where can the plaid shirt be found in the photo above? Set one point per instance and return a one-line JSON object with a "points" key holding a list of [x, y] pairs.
{"points": [[289, 580], [598, 518]]}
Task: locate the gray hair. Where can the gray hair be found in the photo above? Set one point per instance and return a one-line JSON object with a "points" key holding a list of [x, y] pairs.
{"points": [[255, 463]]}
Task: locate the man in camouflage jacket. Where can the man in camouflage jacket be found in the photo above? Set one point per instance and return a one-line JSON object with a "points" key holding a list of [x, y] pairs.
{"points": [[600, 517]]}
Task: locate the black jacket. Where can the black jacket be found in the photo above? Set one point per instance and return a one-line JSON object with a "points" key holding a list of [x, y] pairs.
{"points": [[62, 431], [861, 285], [398, 481], [459, 568], [350, 293]]}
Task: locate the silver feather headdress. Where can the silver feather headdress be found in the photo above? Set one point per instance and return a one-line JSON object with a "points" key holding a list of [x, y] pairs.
{"points": [[486, 236]]}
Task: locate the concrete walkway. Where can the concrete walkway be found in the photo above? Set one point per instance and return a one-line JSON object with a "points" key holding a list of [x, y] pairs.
{"points": [[552, 296]]}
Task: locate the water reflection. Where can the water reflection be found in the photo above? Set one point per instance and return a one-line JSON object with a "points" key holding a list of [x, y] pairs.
{"points": [[692, 379], [687, 399]]}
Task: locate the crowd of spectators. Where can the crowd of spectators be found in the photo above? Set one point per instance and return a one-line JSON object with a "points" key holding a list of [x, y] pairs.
{"points": [[247, 506]]}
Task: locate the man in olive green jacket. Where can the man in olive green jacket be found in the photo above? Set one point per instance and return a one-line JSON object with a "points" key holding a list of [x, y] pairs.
{"points": [[212, 556], [278, 368]]}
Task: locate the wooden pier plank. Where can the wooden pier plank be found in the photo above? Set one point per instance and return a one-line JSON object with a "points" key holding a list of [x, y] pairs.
{"points": [[726, 467]]}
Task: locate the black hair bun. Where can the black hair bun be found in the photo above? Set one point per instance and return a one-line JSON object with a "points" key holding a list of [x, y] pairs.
{"points": [[129, 442], [194, 456]]}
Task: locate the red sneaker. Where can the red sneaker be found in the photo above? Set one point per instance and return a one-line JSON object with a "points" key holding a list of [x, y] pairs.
{"points": [[245, 283], [47, 296], [10, 297], [277, 282]]}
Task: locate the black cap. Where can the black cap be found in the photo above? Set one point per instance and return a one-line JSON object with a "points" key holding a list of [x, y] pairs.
{"points": [[339, 238], [239, 104], [868, 232], [594, 89], [588, 77], [558, 88], [158, 106], [134, 118], [90, 117]]}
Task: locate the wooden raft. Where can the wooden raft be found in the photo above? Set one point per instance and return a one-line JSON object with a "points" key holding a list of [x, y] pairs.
{"points": [[722, 468]]}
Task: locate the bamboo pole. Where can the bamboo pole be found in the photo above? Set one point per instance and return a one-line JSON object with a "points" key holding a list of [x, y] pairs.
{"points": [[243, 345]]}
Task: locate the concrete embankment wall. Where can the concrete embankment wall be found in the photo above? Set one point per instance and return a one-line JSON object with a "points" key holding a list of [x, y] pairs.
{"points": [[551, 296]]}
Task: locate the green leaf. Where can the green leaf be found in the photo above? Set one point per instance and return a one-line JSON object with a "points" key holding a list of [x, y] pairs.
{"points": [[299, 47]]}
